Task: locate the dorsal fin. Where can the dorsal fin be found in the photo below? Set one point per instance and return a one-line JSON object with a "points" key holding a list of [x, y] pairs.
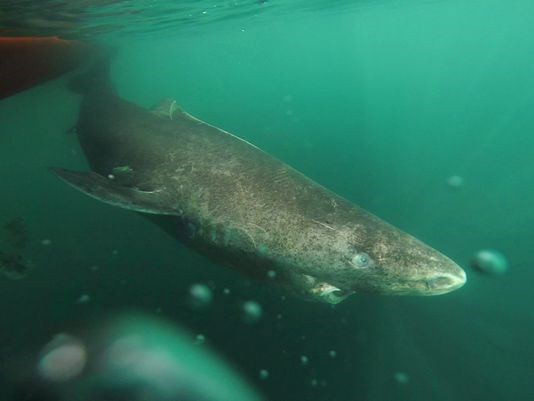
{"points": [[168, 108]]}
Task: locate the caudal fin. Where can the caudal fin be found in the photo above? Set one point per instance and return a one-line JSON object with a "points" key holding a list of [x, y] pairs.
{"points": [[96, 78]]}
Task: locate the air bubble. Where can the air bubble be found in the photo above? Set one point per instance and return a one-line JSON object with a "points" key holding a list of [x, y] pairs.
{"points": [[200, 296], [490, 261], [252, 311], [401, 377], [83, 299], [455, 181], [63, 359]]}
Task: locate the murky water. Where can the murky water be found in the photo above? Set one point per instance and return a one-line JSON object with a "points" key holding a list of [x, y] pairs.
{"points": [[418, 111]]}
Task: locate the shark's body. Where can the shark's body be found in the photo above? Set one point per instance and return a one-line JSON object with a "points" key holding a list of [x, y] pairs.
{"points": [[244, 208]]}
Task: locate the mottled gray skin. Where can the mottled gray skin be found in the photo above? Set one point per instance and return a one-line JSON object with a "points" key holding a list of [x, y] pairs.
{"points": [[246, 209]]}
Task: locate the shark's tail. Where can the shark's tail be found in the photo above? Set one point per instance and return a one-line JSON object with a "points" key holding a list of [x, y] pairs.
{"points": [[96, 78]]}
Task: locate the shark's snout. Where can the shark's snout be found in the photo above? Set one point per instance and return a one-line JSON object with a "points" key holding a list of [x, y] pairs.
{"points": [[443, 275], [445, 282]]}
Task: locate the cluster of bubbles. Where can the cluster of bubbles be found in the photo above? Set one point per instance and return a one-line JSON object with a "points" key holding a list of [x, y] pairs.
{"points": [[304, 360], [201, 296], [137, 358]]}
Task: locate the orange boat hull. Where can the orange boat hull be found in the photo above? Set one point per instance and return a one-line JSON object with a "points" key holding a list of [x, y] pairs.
{"points": [[28, 61]]}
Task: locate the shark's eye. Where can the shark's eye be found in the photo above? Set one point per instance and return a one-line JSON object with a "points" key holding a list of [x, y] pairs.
{"points": [[362, 260]]}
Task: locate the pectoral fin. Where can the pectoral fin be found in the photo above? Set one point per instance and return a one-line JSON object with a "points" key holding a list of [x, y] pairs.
{"points": [[329, 293], [108, 191], [312, 289]]}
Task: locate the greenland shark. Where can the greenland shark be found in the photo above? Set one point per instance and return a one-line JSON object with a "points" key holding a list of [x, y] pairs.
{"points": [[242, 207]]}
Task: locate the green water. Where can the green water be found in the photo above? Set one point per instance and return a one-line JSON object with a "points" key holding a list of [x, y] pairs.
{"points": [[380, 102]]}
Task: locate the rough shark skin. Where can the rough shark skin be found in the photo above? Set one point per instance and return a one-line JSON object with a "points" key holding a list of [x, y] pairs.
{"points": [[244, 208]]}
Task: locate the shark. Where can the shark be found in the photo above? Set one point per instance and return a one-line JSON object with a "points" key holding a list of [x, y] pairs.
{"points": [[242, 207]]}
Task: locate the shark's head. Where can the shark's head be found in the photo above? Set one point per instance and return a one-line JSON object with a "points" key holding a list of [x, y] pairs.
{"points": [[371, 256]]}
